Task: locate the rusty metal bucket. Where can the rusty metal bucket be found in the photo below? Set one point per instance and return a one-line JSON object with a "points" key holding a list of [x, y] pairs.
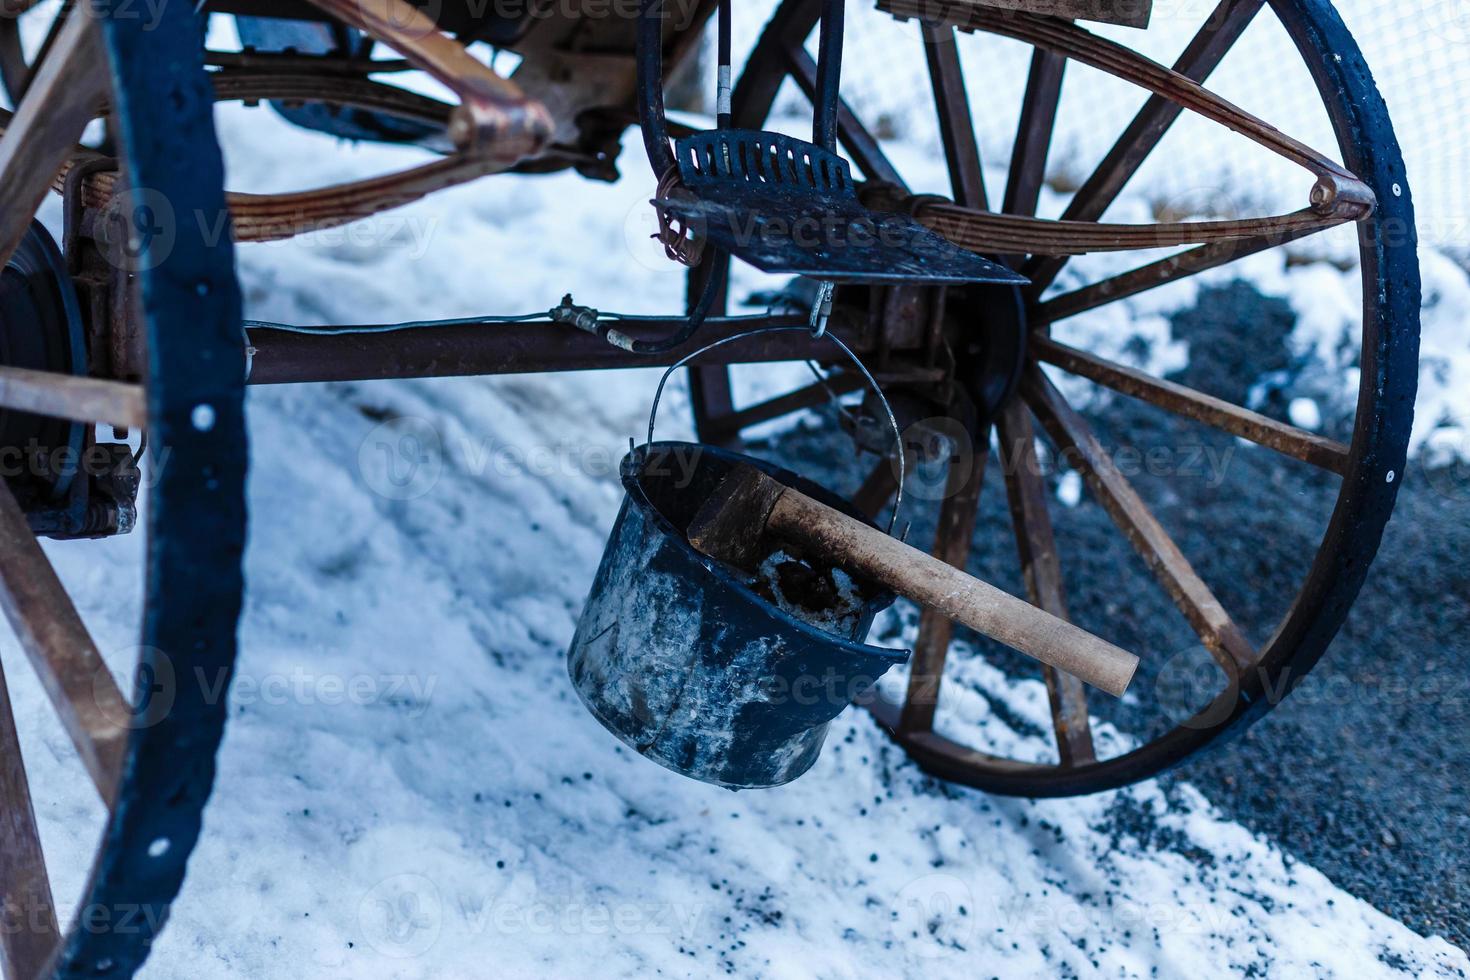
{"points": [[686, 663]]}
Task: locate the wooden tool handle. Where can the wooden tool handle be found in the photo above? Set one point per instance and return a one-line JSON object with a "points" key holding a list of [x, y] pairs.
{"points": [[964, 598]]}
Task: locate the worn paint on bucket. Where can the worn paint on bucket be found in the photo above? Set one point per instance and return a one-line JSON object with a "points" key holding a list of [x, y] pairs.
{"points": [[677, 656]]}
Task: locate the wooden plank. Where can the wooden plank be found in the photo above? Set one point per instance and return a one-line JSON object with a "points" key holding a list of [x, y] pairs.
{"points": [[72, 397], [1074, 437], [1128, 13], [1172, 268], [62, 98], [1252, 426], [1042, 571], [28, 931], [92, 709]]}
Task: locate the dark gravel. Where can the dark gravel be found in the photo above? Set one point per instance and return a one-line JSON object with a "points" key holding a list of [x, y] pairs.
{"points": [[1364, 772]]}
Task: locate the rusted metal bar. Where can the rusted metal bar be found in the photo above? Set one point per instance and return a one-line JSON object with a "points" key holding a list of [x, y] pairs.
{"points": [[279, 356], [1288, 440], [495, 119]]}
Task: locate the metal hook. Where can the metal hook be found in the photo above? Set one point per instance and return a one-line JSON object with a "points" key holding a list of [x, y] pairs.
{"points": [[822, 308]]}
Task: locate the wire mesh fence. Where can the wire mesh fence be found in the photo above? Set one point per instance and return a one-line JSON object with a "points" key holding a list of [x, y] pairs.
{"points": [[1419, 54]]}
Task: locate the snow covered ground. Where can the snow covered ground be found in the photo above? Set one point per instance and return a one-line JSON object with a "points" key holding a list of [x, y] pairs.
{"points": [[410, 788]]}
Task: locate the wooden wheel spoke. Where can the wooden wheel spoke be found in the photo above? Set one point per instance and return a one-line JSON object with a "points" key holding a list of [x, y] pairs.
{"points": [[1200, 57], [1033, 133], [17, 67], [825, 389], [1155, 274], [1078, 44], [62, 97], [881, 483], [956, 126], [860, 144], [12, 9], [92, 709], [710, 394], [14, 69], [1181, 400], [73, 397], [53, 34], [953, 536], [28, 928], [793, 401], [1077, 443], [1043, 574]]}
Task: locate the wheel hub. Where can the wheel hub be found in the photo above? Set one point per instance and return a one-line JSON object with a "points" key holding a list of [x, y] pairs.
{"points": [[989, 340], [41, 330]]}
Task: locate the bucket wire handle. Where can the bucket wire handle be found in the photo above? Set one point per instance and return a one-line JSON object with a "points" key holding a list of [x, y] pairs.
{"points": [[872, 382]]}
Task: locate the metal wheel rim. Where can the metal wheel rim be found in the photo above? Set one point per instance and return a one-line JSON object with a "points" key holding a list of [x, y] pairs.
{"points": [[196, 518], [1390, 341]]}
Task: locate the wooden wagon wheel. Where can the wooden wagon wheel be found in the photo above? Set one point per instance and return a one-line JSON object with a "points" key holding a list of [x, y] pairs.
{"points": [[149, 753], [1368, 187]]}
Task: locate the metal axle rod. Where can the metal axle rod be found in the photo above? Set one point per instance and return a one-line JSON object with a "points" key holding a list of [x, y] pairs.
{"points": [[459, 350]]}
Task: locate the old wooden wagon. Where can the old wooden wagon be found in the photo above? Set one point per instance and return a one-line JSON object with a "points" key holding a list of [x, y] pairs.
{"points": [[133, 320]]}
